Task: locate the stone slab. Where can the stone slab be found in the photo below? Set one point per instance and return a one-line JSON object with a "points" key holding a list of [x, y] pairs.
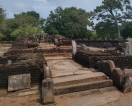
{"points": [[18, 82], [62, 74], [83, 86], [55, 74], [81, 72], [91, 76]]}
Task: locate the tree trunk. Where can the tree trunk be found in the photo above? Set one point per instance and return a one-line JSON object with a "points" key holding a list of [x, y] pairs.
{"points": [[118, 30]]}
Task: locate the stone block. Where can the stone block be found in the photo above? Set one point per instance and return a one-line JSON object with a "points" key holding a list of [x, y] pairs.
{"points": [[108, 66], [117, 77], [18, 82], [47, 91], [127, 84], [47, 72]]}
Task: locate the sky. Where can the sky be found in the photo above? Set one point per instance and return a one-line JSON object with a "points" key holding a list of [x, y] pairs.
{"points": [[43, 7]]}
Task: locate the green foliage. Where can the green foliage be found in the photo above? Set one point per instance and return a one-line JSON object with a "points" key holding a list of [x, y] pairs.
{"points": [[2, 14], [126, 30], [70, 22], [1, 36], [25, 18], [94, 36], [22, 24], [114, 12], [105, 30], [24, 29]]}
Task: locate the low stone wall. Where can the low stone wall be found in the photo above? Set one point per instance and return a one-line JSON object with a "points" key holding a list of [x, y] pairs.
{"points": [[102, 43], [36, 50], [15, 69], [31, 63], [89, 59]]}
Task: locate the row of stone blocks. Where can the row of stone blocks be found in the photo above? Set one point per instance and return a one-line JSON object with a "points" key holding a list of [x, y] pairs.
{"points": [[121, 78]]}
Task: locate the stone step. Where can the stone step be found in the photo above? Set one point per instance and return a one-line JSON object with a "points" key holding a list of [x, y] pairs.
{"points": [[56, 74], [81, 78], [83, 86]]}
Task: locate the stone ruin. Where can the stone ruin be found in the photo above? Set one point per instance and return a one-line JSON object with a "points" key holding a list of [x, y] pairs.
{"points": [[121, 78], [25, 59], [114, 64], [26, 63]]}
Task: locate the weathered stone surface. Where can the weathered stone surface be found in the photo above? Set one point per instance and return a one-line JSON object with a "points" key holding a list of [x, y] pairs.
{"points": [[127, 84], [47, 91], [128, 47], [83, 86], [74, 48], [17, 82], [77, 79], [83, 47], [47, 72], [117, 77], [108, 67]]}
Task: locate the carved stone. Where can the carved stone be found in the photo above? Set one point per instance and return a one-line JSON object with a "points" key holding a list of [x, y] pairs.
{"points": [[117, 77]]}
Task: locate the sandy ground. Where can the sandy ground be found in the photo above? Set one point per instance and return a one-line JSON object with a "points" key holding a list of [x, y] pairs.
{"points": [[103, 97]]}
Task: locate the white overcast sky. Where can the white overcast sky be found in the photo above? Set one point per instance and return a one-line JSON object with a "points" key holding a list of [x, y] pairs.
{"points": [[43, 7]]}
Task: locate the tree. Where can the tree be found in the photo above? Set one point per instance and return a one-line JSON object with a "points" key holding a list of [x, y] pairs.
{"points": [[2, 14], [26, 18], [105, 30], [70, 22], [25, 29], [126, 30], [22, 24], [114, 11]]}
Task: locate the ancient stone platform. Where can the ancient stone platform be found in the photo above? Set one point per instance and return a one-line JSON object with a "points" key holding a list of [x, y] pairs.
{"points": [[68, 76]]}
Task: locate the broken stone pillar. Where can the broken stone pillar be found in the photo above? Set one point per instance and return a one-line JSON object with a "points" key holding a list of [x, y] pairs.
{"points": [[47, 86], [128, 47], [74, 48], [47, 72], [47, 91]]}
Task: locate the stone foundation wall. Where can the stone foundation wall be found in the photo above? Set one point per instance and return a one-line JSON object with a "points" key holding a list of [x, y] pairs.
{"points": [[35, 50], [90, 59], [26, 63], [102, 43], [15, 69]]}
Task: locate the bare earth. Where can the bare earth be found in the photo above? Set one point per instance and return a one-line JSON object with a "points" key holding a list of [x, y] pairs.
{"points": [[102, 97]]}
